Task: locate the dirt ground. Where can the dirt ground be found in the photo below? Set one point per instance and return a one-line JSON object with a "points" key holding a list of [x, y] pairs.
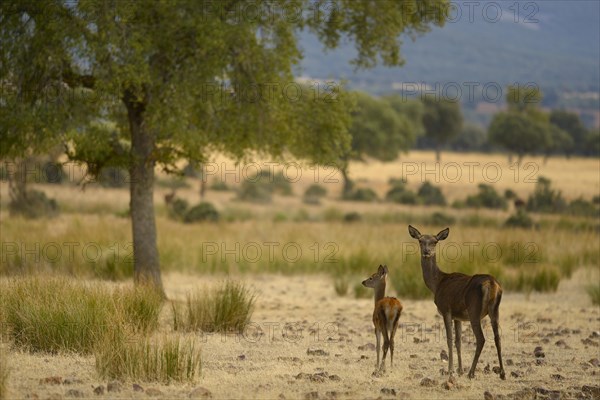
{"points": [[306, 342]]}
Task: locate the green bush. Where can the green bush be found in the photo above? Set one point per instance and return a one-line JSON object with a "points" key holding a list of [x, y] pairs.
{"points": [[352, 216], [314, 193], [409, 284], [519, 220], [583, 208], [362, 292], [440, 219], [227, 308], [399, 193], [544, 199], [361, 194], [431, 195], [202, 212], [114, 177], [487, 198], [177, 209], [254, 192], [341, 285], [34, 204]]}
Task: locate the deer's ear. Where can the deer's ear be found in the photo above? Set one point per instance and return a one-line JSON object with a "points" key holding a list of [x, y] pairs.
{"points": [[385, 269], [443, 234], [381, 270], [414, 232]]}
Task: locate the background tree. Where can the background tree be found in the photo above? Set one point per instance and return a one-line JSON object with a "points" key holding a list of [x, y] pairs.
{"points": [[381, 128], [442, 120], [523, 128], [570, 123], [182, 79], [471, 138]]}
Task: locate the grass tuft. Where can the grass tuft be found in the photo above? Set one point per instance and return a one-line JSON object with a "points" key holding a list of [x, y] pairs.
{"points": [[594, 293], [227, 308]]}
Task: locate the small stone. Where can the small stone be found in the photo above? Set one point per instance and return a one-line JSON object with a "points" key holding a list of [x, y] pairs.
{"points": [[557, 377], [137, 388], [317, 352], [200, 393], [539, 352], [413, 356], [114, 386], [152, 392], [510, 362], [591, 391], [562, 344], [70, 380], [311, 395], [99, 390], [367, 347], [589, 342], [488, 396], [444, 355], [595, 362], [486, 370], [32, 396], [428, 382], [334, 378], [74, 393], [595, 334], [51, 380], [540, 361], [516, 374], [496, 370], [447, 385]]}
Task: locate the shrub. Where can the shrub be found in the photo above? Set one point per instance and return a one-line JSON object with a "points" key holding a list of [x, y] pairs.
{"points": [[362, 292], [352, 216], [544, 199], [227, 308], [594, 293], [54, 315], [409, 284], [519, 220], [165, 360], [440, 219], [487, 198], [431, 195], [332, 214], [509, 194], [314, 193], [34, 204], [202, 212], [254, 192], [398, 193], [177, 209], [219, 186], [583, 208], [341, 285], [361, 194]]}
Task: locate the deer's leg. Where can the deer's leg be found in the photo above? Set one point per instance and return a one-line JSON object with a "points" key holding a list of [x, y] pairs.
{"points": [[448, 325], [479, 337], [392, 335], [494, 317], [378, 345], [386, 338], [457, 341]]}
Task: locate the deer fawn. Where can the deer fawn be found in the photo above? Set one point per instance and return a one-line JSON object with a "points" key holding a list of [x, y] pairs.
{"points": [[460, 297], [385, 316]]}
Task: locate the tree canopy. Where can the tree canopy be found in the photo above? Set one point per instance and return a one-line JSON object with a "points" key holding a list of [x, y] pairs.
{"points": [[147, 83], [442, 120]]}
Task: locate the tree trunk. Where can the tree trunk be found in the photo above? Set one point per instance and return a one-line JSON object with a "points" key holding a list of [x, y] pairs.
{"points": [[438, 153], [347, 183], [145, 250], [202, 181]]}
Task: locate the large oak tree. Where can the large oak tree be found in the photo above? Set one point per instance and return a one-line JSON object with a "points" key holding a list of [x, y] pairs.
{"points": [[146, 83]]}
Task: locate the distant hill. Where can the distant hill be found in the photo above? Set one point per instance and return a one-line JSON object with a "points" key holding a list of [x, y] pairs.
{"points": [[553, 44]]}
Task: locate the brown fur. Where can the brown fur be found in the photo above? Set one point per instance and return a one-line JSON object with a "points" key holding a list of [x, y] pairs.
{"points": [[386, 315], [460, 297]]}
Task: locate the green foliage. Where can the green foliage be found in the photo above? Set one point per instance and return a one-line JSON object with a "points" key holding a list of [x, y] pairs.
{"points": [[409, 284], [570, 123], [442, 120], [583, 208], [519, 133], [165, 360], [519, 220], [440, 219], [431, 195], [471, 138], [522, 98], [361, 194], [58, 315], [315, 190], [177, 209], [361, 291], [399, 193], [352, 216], [33, 204], [487, 198], [341, 284], [114, 177], [594, 293], [544, 199], [259, 188], [227, 308], [204, 211]]}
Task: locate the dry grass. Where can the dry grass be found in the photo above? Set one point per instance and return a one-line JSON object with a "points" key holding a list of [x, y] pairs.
{"points": [[3, 375]]}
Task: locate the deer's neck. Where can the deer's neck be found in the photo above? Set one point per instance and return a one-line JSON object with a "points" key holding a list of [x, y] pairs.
{"points": [[379, 292], [431, 272]]}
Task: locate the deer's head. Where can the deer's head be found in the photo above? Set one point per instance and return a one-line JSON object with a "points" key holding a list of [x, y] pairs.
{"points": [[377, 277], [428, 242]]}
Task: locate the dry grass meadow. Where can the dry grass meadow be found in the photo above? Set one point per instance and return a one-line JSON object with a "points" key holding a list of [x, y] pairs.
{"points": [[310, 334]]}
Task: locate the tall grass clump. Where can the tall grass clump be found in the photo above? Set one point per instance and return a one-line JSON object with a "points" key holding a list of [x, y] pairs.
{"points": [[3, 376], [227, 308], [594, 293], [60, 315], [163, 360], [409, 283], [341, 285]]}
